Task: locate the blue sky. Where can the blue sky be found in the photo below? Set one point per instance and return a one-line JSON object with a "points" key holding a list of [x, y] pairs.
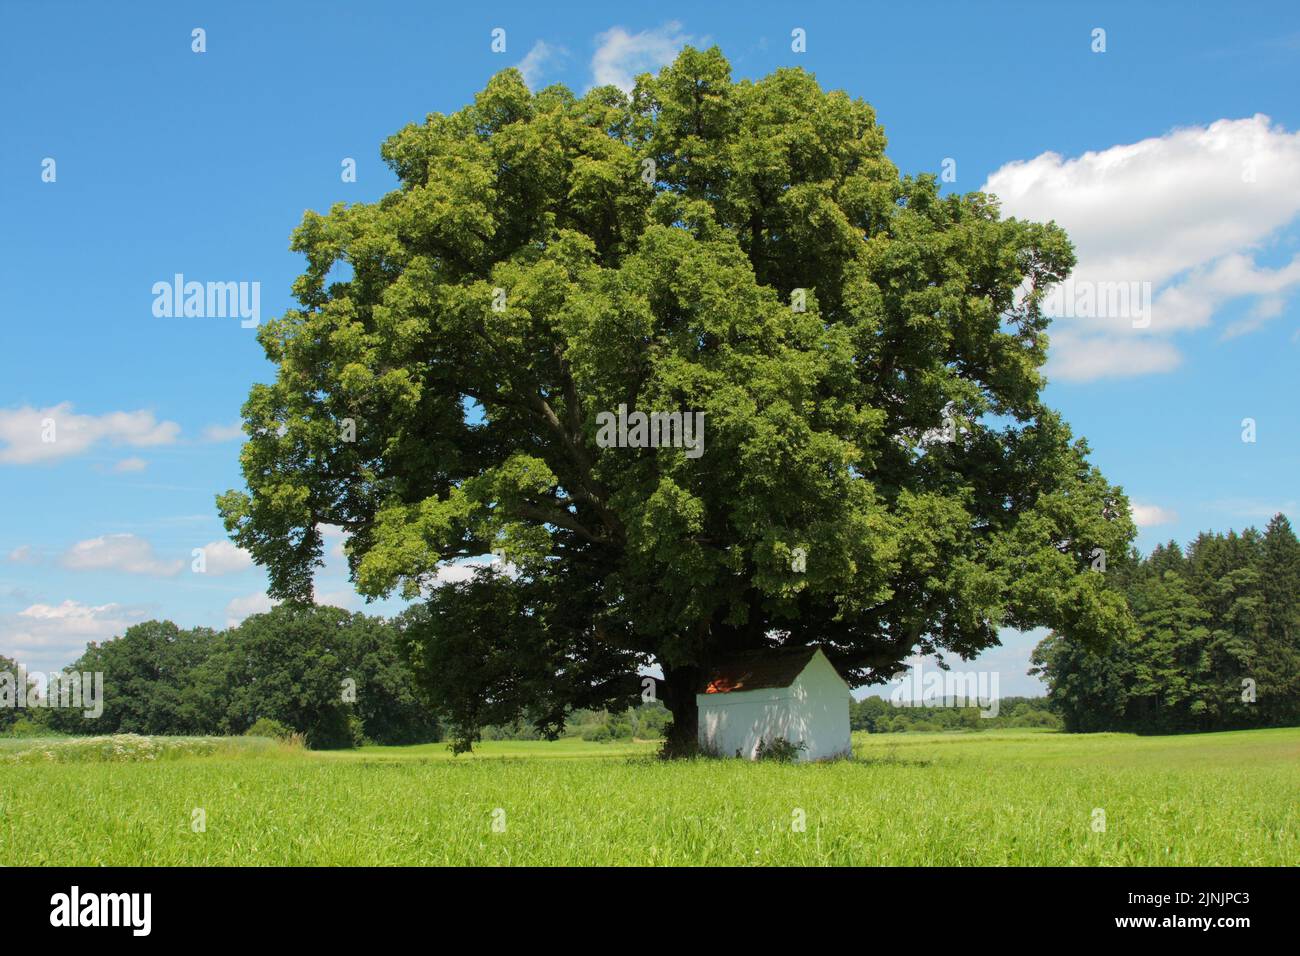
{"points": [[1172, 158]]}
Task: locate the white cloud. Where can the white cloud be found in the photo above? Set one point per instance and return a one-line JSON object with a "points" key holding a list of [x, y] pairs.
{"points": [[31, 435], [70, 617], [119, 552], [620, 56], [45, 637], [455, 573], [344, 597], [532, 65], [1089, 357], [224, 557], [1264, 310], [248, 605], [23, 554], [130, 465], [1186, 212], [218, 433], [1147, 516], [463, 571], [333, 538], [1192, 302]]}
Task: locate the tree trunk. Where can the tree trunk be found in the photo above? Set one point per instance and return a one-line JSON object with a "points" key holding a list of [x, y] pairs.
{"points": [[680, 686]]}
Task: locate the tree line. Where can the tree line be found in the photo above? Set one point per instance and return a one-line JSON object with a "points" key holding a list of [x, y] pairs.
{"points": [[335, 677], [876, 715], [1216, 646]]}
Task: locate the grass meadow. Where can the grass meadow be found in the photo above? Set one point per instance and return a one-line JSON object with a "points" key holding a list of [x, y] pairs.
{"points": [[991, 798]]}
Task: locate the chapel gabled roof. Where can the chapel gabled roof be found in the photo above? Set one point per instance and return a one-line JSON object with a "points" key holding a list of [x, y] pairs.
{"points": [[756, 670]]}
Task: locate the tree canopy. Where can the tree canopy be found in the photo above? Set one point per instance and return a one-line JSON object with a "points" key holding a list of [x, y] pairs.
{"points": [[879, 475]]}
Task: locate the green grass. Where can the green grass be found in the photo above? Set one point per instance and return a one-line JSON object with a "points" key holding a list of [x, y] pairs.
{"points": [[1014, 797]]}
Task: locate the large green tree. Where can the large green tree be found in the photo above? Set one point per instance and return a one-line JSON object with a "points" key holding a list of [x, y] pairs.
{"points": [[328, 673], [879, 476], [150, 685]]}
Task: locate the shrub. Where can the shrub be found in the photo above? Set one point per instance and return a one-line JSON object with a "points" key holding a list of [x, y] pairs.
{"points": [[780, 750], [357, 731], [26, 727], [266, 727]]}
